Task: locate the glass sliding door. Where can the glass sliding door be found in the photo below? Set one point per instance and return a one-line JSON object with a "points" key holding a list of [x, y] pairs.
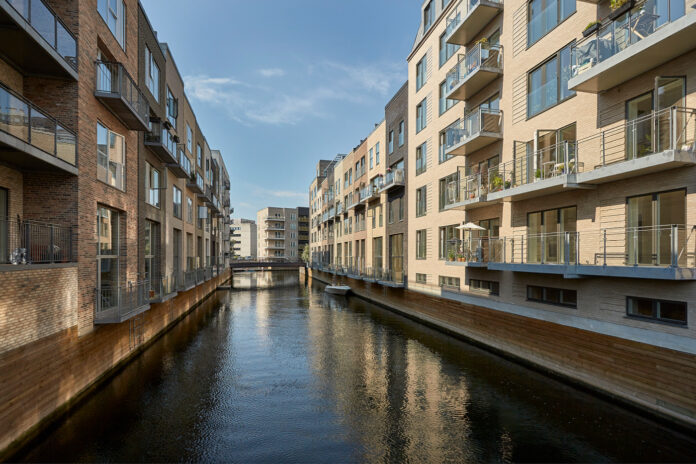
{"points": [[108, 251], [377, 253], [639, 131], [396, 256], [534, 225], [651, 220], [670, 91]]}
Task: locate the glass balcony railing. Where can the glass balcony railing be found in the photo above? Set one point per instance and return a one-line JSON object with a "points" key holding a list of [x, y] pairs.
{"points": [[184, 162], [161, 137], [617, 35], [393, 178], [50, 27], [481, 55], [24, 121], [473, 124], [460, 13]]}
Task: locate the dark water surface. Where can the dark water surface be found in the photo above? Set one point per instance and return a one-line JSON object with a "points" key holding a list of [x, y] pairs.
{"points": [[293, 375]]}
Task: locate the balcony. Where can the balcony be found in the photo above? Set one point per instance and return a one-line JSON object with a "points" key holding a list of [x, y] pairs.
{"points": [[468, 191], [276, 227], [657, 142], [182, 168], [664, 252], [469, 18], [270, 237], [274, 247], [639, 40], [353, 201], [161, 142], [32, 140], [36, 40], [120, 303], [472, 252], [338, 211], [163, 288], [195, 184], [119, 93], [394, 178], [274, 218], [30, 242], [372, 191], [478, 129], [480, 66], [187, 280]]}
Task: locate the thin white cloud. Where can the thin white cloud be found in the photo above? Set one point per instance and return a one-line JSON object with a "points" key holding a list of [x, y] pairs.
{"points": [[272, 72], [264, 192]]}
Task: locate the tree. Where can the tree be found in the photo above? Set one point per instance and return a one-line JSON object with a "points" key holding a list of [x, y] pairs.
{"points": [[305, 254]]}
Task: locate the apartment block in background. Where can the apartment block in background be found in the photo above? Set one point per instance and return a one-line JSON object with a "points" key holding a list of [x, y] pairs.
{"points": [[278, 232], [243, 236]]}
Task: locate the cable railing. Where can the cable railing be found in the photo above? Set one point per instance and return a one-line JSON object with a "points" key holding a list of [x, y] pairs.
{"points": [[479, 120], [112, 78], [28, 242], [116, 303], [668, 245], [50, 27], [481, 55], [615, 35], [26, 122]]}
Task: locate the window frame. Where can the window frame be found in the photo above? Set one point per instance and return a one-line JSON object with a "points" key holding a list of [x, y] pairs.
{"points": [[421, 242], [559, 21], [656, 311], [176, 190], [421, 158], [402, 130], [109, 162], [544, 299], [421, 200], [559, 70], [151, 196], [422, 119]]}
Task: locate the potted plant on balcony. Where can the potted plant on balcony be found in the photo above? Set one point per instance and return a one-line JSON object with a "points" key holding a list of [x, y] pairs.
{"points": [[496, 183], [591, 28], [537, 175], [507, 184], [460, 257], [451, 255], [619, 7]]}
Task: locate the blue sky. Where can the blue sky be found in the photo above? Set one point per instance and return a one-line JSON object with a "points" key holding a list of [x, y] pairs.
{"points": [[278, 84]]}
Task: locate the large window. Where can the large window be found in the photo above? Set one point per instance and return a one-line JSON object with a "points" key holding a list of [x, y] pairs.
{"points": [[151, 74], [420, 72], [449, 282], [391, 142], [113, 12], [489, 287], [377, 253], [176, 199], [189, 210], [546, 239], [555, 296], [442, 155], [428, 15], [421, 118], [377, 154], [152, 185], [447, 50], [108, 252], [444, 184], [152, 272], [548, 84], [449, 237], [545, 15], [421, 202], [172, 107], [402, 132], [658, 310], [372, 157], [111, 157], [199, 155], [421, 159], [189, 139], [445, 103], [421, 244]]}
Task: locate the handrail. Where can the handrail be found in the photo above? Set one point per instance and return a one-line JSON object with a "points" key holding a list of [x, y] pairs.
{"points": [[32, 242], [479, 120], [113, 78], [25, 121], [481, 55], [119, 302]]}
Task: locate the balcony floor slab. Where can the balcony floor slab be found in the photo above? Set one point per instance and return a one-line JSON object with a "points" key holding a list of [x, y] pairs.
{"points": [[19, 153], [474, 82], [572, 271], [114, 316], [476, 142], [657, 162], [475, 20]]}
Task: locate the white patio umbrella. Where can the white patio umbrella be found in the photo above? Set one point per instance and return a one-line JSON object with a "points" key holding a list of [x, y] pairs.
{"points": [[469, 226]]}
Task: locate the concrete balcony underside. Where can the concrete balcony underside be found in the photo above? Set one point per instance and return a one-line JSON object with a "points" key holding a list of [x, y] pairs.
{"points": [[178, 170], [163, 298], [16, 152], [477, 264], [473, 143], [474, 22], [659, 162], [672, 40], [122, 109], [117, 315], [391, 186], [161, 152], [474, 82], [472, 203], [22, 46], [573, 271]]}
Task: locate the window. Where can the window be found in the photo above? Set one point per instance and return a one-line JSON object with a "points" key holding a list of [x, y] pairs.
{"points": [[108, 253], [449, 282], [176, 197], [111, 157], [659, 310], [151, 74], [445, 103], [172, 107], [554, 296], [544, 15], [489, 287], [420, 72], [391, 142], [151, 252], [113, 12], [199, 154], [447, 50], [377, 154], [444, 185], [371, 158], [421, 111], [421, 278], [442, 155], [421, 244], [421, 159], [421, 205], [546, 230], [189, 210], [402, 132], [449, 237], [390, 211], [401, 209], [548, 84], [428, 13], [152, 185]]}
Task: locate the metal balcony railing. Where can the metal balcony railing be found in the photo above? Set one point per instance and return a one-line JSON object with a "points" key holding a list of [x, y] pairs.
{"points": [[481, 55], [473, 250], [479, 120], [112, 79], [50, 27], [163, 286], [29, 242], [466, 187], [26, 122], [115, 304], [614, 36], [161, 137]]}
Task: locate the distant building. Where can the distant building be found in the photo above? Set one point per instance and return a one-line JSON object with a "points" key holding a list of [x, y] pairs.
{"points": [[282, 233], [243, 238]]}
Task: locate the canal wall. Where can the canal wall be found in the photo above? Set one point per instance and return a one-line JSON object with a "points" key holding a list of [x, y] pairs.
{"points": [[42, 380], [654, 379]]}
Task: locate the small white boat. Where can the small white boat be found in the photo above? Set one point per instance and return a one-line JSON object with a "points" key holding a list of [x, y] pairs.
{"points": [[337, 289]]}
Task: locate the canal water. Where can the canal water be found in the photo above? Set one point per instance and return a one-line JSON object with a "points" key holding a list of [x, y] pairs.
{"points": [[292, 375]]}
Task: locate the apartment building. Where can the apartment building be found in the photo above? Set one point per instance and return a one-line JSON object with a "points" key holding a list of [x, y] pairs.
{"points": [[98, 198], [243, 236], [278, 233]]}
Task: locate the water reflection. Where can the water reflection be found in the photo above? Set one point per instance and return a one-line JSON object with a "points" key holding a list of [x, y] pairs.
{"points": [[294, 375], [265, 279]]}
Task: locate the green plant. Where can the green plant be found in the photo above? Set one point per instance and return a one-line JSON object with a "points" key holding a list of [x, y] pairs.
{"points": [[496, 182], [591, 24], [616, 4], [507, 184], [305, 254], [451, 255], [537, 174], [482, 41]]}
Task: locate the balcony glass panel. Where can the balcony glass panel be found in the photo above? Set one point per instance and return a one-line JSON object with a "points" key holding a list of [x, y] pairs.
{"points": [[43, 21], [482, 119], [43, 131], [482, 54]]}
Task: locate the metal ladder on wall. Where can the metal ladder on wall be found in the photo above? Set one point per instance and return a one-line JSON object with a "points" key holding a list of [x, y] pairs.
{"points": [[136, 329]]}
